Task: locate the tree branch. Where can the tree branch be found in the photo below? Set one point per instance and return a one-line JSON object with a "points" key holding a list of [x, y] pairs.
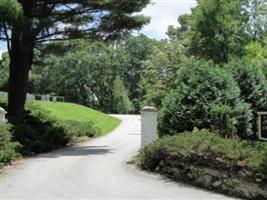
{"points": [[44, 38]]}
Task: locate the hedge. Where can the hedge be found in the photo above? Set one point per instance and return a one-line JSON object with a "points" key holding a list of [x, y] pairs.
{"points": [[206, 159], [253, 85], [206, 96]]}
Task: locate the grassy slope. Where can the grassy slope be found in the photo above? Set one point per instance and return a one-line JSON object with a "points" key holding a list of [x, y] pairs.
{"points": [[71, 111]]}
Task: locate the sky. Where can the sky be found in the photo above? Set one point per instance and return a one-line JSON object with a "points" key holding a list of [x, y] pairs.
{"points": [[162, 12]]}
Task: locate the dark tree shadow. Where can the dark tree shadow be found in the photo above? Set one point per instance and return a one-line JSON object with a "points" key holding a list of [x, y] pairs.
{"points": [[79, 151]]}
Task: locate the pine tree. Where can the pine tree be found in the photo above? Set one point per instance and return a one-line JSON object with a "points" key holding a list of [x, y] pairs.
{"points": [[33, 22]]}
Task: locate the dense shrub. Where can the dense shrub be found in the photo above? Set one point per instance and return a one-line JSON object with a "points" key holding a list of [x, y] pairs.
{"points": [[200, 86], [234, 166], [8, 149], [203, 147], [223, 119], [41, 132], [252, 83], [80, 129]]}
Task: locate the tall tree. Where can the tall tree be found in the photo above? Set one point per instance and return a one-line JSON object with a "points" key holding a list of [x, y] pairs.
{"points": [[161, 71], [218, 29], [137, 49], [257, 26], [46, 20], [121, 102], [184, 31], [84, 74]]}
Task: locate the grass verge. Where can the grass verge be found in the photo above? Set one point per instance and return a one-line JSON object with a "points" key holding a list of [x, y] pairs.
{"points": [[75, 112]]}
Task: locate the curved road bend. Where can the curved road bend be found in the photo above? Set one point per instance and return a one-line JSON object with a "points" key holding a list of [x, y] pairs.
{"points": [[94, 170]]}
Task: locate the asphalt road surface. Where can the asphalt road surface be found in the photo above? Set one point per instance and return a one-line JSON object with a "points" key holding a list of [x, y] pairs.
{"points": [[94, 170]]}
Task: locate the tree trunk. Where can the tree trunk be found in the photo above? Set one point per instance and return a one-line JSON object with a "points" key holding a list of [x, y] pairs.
{"points": [[21, 54]]}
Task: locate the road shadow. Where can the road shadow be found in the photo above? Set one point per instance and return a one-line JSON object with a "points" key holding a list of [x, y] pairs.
{"points": [[79, 151]]}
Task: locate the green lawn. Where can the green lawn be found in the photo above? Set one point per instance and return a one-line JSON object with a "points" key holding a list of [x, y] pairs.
{"points": [[75, 112]]}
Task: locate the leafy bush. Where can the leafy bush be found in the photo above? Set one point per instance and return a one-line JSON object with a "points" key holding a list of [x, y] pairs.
{"points": [[200, 86], [41, 132], [223, 120], [121, 102], [202, 147], [206, 159], [8, 149], [80, 129], [252, 83]]}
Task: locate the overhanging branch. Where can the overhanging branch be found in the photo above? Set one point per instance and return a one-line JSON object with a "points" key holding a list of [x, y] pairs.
{"points": [[49, 37]]}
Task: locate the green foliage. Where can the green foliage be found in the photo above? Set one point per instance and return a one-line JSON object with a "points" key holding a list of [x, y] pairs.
{"points": [[40, 132], [221, 29], [205, 159], [255, 53], [8, 148], [203, 148], [96, 20], [4, 64], [83, 75], [200, 86], [80, 129], [10, 10], [184, 32], [84, 72], [264, 163], [121, 102], [257, 24], [223, 120], [136, 51], [252, 84], [117, 20], [218, 29], [159, 76]]}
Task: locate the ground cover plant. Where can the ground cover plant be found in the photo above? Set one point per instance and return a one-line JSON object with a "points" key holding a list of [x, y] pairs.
{"points": [[8, 148], [203, 158]]}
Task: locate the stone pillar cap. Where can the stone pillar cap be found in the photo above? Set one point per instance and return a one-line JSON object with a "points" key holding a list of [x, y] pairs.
{"points": [[2, 110], [149, 109]]}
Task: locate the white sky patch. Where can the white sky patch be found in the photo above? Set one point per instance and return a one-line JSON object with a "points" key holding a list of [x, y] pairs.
{"points": [[2, 47], [1, 52], [165, 13]]}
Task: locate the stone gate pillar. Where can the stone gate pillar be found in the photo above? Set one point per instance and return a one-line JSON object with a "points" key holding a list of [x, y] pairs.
{"points": [[148, 125]]}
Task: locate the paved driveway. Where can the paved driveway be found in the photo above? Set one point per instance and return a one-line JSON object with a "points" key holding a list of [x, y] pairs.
{"points": [[95, 170]]}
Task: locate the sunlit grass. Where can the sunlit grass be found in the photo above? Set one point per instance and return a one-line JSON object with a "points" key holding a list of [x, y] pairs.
{"points": [[75, 112]]}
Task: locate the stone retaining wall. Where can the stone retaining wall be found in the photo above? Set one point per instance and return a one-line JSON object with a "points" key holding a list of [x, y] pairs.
{"points": [[242, 184]]}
